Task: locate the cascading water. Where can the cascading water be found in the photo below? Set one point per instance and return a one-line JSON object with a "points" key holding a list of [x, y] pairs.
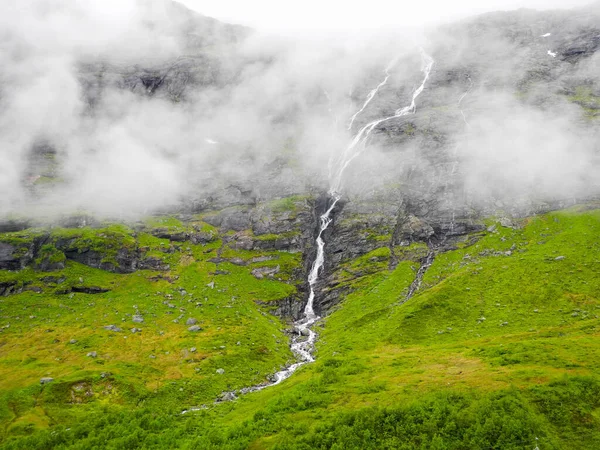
{"points": [[301, 347], [357, 145]]}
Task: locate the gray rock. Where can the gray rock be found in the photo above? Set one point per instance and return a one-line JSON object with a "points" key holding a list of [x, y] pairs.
{"points": [[262, 272], [194, 328], [193, 350], [112, 328], [220, 371], [136, 330], [92, 354], [227, 397], [559, 258], [46, 380], [138, 319], [191, 321]]}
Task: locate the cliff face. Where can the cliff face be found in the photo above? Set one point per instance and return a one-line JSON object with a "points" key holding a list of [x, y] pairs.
{"points": [[509, 95]]}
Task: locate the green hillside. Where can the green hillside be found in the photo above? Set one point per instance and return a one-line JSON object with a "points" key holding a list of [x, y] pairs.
{"points": [[497, 349]]}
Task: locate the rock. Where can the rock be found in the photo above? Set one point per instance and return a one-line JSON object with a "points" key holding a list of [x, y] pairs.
{"points": [[220, 371], [507, 223], [136, 330], [261, 272], [301, 331], [415, 229], [559, 258], [73, 341], [238, 262], [137, 319], [89, 289], [10, 257], [191, 321], [10, 287], [46, 380], [194, 328], [92, 354], [111, 328], [211, 285], [193, 350], [227, 397], [230, 219]]}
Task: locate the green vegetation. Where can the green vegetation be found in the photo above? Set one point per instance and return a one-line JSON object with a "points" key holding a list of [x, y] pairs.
{"points": [[498, 349], [585, 97]]}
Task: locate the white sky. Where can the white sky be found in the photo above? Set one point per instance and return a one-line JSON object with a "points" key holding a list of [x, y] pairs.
{"points": [[345, 15]]}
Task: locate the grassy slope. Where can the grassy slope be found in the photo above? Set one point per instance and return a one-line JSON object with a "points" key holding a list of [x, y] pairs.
{"points": [[50, 334], [495, 350]]}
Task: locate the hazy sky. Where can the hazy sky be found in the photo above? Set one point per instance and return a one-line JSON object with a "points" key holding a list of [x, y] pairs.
{"points": [[305, 15]]}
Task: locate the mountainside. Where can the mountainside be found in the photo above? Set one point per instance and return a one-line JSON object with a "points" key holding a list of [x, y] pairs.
{"points": [[179, 189]]}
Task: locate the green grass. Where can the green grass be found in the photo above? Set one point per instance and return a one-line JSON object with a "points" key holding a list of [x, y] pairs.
{"points": [[498, 349], [50, 330]]}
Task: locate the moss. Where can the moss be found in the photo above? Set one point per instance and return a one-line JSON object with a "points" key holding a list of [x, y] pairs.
{"points": [[287, 203]]}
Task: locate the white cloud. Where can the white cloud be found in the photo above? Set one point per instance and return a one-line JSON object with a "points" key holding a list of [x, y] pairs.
{"points": [[344, 15]]}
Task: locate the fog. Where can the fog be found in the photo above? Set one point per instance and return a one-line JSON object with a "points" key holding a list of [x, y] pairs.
{"points": [[124, 108]]}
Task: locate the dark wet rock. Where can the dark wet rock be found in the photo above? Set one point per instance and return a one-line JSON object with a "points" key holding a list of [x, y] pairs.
{"points": [[291, 307], [218, 260], [78, 221], [163, 233], [36, 289], [202, 237], [89, 289], [230, 219], [220, 272], [238, 262], [241, 241], [582, 45], [10, 287], [47, 265], [14, 257], [153, 263], [413, 229], [11, 226]]}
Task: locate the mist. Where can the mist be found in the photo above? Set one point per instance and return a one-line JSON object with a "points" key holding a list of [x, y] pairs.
{"points": [[126, 108]]}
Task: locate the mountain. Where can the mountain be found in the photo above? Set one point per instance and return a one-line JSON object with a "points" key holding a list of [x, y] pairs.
{"points": [[176, 188]]}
